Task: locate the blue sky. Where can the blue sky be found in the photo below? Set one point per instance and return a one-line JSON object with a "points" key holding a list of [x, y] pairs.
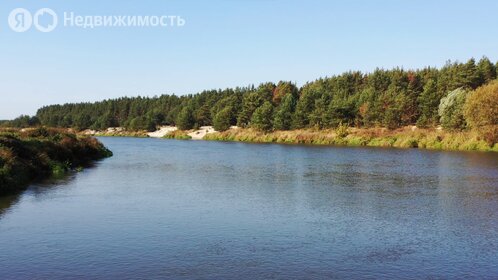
{"points": [[229, 43]]}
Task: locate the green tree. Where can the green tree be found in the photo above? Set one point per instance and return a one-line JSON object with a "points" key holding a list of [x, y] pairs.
{"points": [[414, 89], [340, 111], [156, 117], [394, 101], [468, 75], [283, 116], [34, 121], [262, 118], [67, 121], [392, 113], [305, 106], [369, 110], [428, 103], [82, 122], [185, 120], [318, 118], [221, 121], [136, 123], [231, 101], [203, 115], [251, 102], [283, 89], [23, 121], [487, 71], [382, 98]]}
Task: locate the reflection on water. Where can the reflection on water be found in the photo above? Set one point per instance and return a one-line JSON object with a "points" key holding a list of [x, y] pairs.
{"points": [[210, 210], [37, 190], [6, 202]]}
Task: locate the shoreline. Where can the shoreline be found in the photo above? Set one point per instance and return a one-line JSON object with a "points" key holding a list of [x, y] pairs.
{"points": [[406, 137], [30, 155]]}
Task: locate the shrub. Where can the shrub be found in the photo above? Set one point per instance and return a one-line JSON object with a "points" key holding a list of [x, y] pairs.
{"points": [[342, 130], [481, 111], [178, 134], [38, 153]]}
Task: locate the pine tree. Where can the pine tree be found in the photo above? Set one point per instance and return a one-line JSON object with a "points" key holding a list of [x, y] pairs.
{"points": [[340, 111], [393, 104], [185, 120], [385, 97], [82, 122], [428, 103], [468, 75], [221, 121], [203, 115], [251, 102], [411, 111], [487, 71], [262, 118], [318, 118], [375, 107], [304, 107], [283, 116]]}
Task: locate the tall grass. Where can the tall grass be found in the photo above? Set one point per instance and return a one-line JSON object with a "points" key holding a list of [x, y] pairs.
{"points": [[124, 133], [178, 134], [375, 137]]}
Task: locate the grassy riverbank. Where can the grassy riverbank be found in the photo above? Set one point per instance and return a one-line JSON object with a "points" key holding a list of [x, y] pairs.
{"points": [[40, 153], [375, 137], [114, 132], [137, 134], [178, 134]]}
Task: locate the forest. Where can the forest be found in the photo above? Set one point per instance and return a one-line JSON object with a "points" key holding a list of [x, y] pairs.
{"points": [[393, 98]]}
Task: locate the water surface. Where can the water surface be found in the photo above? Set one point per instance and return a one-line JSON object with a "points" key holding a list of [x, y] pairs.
{"points": [[212, 210]]}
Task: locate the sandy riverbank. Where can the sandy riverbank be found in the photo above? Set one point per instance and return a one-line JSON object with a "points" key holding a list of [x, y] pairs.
{"points": [[201, 132], [162, 131], [197, 134]]}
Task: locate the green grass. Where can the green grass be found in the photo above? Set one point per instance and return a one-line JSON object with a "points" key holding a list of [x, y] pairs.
{"points": [[178, 134], [136, 134]]}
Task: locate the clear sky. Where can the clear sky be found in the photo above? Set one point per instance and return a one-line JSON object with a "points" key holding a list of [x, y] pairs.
{"points": [[227, 43]]}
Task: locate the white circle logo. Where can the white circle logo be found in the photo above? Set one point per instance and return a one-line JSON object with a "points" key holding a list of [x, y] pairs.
{"points": [[45, 26], [45, 20], [20, 20]]}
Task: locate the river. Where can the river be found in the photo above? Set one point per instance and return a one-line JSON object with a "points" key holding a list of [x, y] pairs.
{"points": [[168, 209]]}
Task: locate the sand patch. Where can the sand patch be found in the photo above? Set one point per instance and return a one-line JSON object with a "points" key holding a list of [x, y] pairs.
{"points": [[162, 131]]}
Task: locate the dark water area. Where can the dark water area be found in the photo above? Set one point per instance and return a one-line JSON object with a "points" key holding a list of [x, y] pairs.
{"points": [[167, 209]]}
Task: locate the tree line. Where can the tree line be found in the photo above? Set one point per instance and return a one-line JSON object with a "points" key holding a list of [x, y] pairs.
{"points": [[388, 98]]}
